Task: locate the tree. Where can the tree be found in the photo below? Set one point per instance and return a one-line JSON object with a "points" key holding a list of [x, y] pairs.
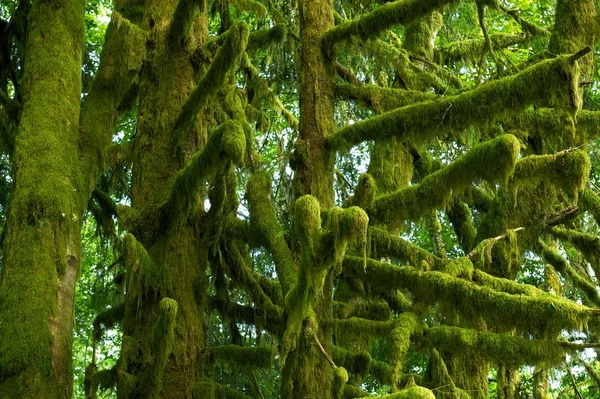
{"points": [[345, 291]]}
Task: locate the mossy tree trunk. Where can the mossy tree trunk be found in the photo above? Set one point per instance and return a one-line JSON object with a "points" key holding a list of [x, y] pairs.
{"points": [[41, 249], [167, 258], [307, 373]]}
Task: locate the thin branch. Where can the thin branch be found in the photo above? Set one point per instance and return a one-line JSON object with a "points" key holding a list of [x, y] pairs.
{"points": [[495, 239]]}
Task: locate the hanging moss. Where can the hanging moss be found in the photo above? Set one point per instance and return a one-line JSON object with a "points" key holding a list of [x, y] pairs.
{"points": [[144, 277], [212, 390], [108, 319], [253, 7], [264, 37], [591, 202], [226, 143], [225, 60], [437, 376], [460, 216], [383, 17], [497, 308], [504, 348], [357, 364], [407, 324], [568, 170], [436, 189], [420, 34], [391, 165], [163, 339], [260, 356], [420, 122], [348, 228], [561, 265], [365, 192], [183, 19]]}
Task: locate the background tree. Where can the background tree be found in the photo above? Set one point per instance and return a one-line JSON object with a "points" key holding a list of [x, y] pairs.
{"points": [[220, 148]]}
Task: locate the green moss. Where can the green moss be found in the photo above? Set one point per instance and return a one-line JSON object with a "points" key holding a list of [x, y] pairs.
{"points": [[419, 36], [351, 392], [379, 311], [504, 348], [410, 393], [108, 319], [381, 99], [561, 265], [436, 189], [365, 192], [226, 143], [568, 170], [469, 51], [163, 339], [591, 202], [253, 7], [407, 324], [391, 165], [212, 390], [264, 37], [383, 17], [437, 375], [225, 60], [183, 19], [260, 356], [348, 228], [384, 244], [526, 313], [340, 377], [460, 216], [475, 108], [357, 364], [263, 220], [588, 244]]}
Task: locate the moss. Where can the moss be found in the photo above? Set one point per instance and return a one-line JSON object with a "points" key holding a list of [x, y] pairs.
{"points": [[588, 244], [504, 348], [410, 393], [253, 7], [591, 202], [436, 189], [383, 17], [351, 392], [460, 216], [264, 37], [356, 334], [384, 244], [263, 220], [407, 325], [525, 313], [340, 377], [437, 375], [357, 364], [144, 277], [163, 339], [419, 36], [108, 319], [381, 99], [183, 19], [365, 192], [491, 101], [307, 222], [469, 51], [226, 143], [260, 356], [391, 165], [212, 390], [225, 60], [348, 228], [561, 265], [379, 311], [568, 170]]}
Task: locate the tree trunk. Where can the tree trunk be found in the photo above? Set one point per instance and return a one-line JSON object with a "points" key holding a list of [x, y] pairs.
{"points": [[41, 251]]}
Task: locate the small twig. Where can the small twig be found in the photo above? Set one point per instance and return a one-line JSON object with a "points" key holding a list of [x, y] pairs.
{"points": [[256, 385], [574, 384], [329, 359], [498, 238]]}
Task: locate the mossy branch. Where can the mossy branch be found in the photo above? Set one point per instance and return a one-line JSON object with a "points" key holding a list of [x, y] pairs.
{"points": [[384, 244], [265, 37], [213, 390], [246, 314], [469, 51], [562, 266], [381, 99], [410, 393], [591, 202], [436, 189], [531, 314], [377, 311], [491, 101], [501, 348], [225, 60], [407, 325], [382, 18], [227, 143], [263, 220], [259, 356]]}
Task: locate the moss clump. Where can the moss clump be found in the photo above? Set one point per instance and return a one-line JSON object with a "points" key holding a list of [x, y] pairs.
{"points": [[436, 189], [226, 143], [226, 58], [358, 364], [391, 165], [475, 108], [588, 244], [163, 339], [340, 377], [384, 244], [348, 227], [365, 192], [262, 38]]}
